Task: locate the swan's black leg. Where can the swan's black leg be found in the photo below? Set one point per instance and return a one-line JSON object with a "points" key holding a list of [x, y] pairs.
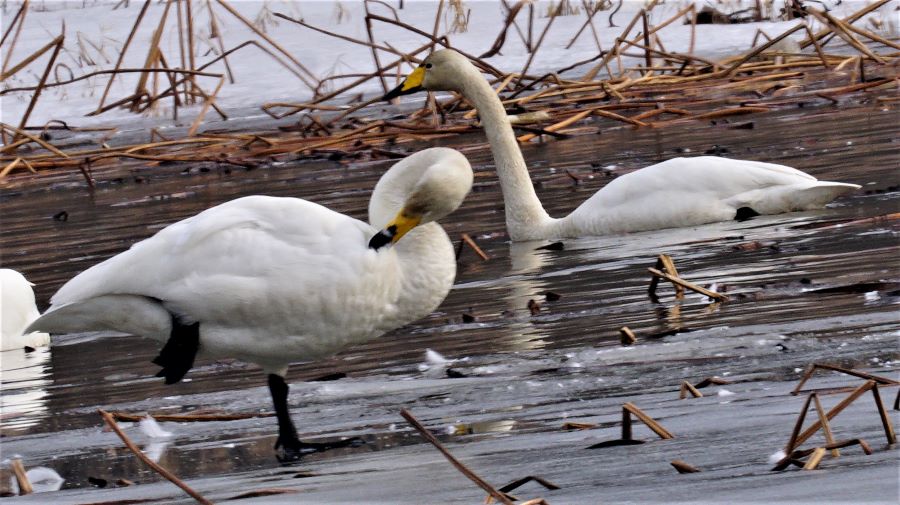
{"points": [[177, 356], [292, 449]]}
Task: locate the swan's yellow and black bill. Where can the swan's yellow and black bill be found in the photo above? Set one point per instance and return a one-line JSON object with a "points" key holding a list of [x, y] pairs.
{"points": [[411, 84], [394, 231]]}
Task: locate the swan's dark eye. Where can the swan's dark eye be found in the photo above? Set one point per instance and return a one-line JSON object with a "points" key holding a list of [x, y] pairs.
{"points": [[428, 65]]}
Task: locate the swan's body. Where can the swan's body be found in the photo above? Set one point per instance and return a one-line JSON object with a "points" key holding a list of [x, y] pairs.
{"points": [[678, 192], [17, 311], [277, 280]]}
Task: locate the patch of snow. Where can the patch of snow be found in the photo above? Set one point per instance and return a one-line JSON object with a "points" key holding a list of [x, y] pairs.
{"points": [[152, 429]]}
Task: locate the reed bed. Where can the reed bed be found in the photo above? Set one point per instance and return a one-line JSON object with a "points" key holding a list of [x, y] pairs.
{"points": [[665, 89]]}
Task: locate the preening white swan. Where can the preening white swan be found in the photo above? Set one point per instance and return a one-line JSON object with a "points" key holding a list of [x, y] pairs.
{"points": [[674, 193], [17, 311], [275, 280]]}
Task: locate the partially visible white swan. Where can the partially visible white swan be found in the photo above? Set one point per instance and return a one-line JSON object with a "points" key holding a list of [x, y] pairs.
{"points": [[675, 193], [276, 280], [17, 311]]}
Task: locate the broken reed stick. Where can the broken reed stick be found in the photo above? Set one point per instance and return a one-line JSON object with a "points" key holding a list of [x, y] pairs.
{"points": [[19, 132], [210, 100], [181, 418], [688, 285], [826, 426], [885, 419], [802, 437], [466, 239], [40, 87], [21, 477], [134, 28], [497, 495], [687, 387], [274, 44], [849, 371], [571, 425], [712, 380], [111, 422], [683, 467], [815, 458], [629, 409], [626, 336]]}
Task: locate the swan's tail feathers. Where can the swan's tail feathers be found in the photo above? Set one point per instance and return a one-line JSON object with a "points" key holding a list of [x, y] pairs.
{"points": [[177, 356], [132, 314], [823, 192]]}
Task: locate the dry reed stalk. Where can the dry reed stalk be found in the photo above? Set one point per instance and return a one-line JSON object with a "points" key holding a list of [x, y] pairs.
{"points": [[588, 22], [802, 437], [19, 132], [711, 380], [688, 285], [849, 371], [626, 336], [40, 87], [813, 462], [558, 126], [21, 477], [438, 40], [757, 51], [665, 263], [111, 422], [849, 19], [578, 426], [826, 426], [371, 37], [535, 49], [152, 55], [466, 239], [838, 27], [268, 39], [206, 105], [885, 418], [497, 495], [16, 22], [128, 40], [182, 418], [33, 56], [9, 167], [687, 387], [629, 409], [20, 16], [214, 28], [684, 467]]}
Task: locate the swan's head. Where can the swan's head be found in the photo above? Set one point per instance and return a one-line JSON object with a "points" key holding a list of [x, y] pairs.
{"points": [[442, 70], [427, 186]]}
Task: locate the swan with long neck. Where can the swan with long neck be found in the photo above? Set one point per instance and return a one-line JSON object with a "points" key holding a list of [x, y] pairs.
{"points": [[277, 280], [675, 193]]}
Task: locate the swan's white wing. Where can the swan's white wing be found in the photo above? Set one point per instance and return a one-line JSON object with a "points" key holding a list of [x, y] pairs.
{"points": [[264, 276], [692, 191]]}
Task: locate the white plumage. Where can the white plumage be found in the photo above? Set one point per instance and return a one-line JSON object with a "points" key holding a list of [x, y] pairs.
{"points": [[277, 280], [17, 311], [675, 193]]}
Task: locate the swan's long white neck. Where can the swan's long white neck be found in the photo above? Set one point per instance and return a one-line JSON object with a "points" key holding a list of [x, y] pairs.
{"points": [[526, 218]]}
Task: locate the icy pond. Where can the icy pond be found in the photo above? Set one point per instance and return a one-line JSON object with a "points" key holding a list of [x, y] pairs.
{"points": [[807, 287]]}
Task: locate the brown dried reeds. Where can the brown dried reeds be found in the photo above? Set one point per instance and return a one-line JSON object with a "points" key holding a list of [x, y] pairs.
{"points": [[491, 490], [666, 89], [111, 422]]}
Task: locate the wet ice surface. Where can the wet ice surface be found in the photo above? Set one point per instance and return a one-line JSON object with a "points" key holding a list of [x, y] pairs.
{"points": [[805, 288]]}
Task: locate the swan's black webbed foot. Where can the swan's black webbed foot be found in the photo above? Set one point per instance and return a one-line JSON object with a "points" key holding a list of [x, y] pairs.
{"points": [[295, 450], [177, 356]]}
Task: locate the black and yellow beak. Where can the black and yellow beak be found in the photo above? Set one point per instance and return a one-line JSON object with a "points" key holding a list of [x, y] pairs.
{"points": [[411, 84], [395, 230]]}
